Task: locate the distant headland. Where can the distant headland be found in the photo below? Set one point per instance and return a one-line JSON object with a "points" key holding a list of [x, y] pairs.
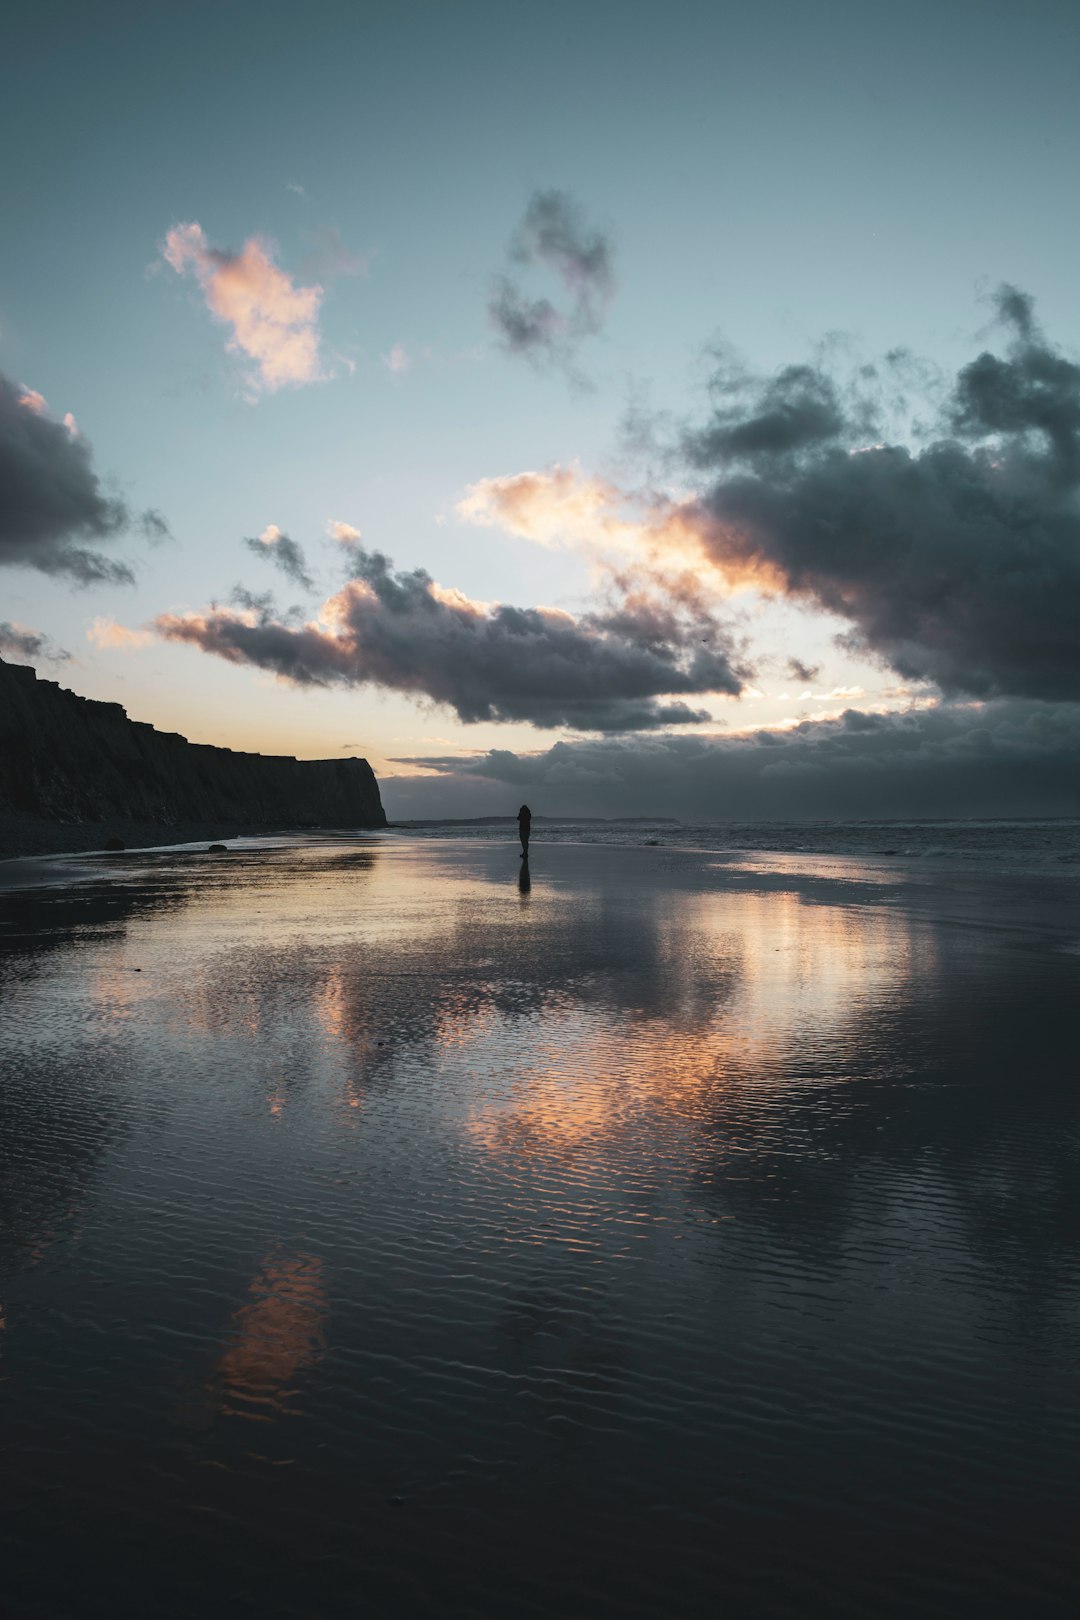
{"points": [[75, 773]]}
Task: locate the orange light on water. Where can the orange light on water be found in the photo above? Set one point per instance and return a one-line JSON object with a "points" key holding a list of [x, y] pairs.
{"points": [[275, 1335]]}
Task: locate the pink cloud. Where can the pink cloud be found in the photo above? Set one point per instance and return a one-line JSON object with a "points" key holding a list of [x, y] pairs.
{"points": [[31, 400], [273, 322], [107, 633], [344, 533], [565, 507], [397, 360]]}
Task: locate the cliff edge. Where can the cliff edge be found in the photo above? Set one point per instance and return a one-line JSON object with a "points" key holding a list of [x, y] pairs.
{"points": [[68, 759]]}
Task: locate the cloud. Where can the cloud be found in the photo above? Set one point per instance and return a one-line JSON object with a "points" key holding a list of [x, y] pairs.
{"points": [[563, 506], [343, 533], [553, 236], [1006, 757], [107, 633], [20, 641], [397, 361], [953, 552], [51, 499], [798, 408], [287, 554], [957, 562], [807, 674], [557, 506], [629, 666], [273, 322]]}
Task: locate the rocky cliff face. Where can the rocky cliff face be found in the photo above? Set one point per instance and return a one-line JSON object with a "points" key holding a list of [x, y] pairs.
{"points": [[67, 758]]}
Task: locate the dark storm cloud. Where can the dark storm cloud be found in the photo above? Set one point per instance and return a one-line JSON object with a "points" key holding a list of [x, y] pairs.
{"points": [[629, 668], [17, 640], [262, 606], [52, 505], [286, 553], [1006, 757], [957, 563], [797, 409], [553, 236], [260, 603]]}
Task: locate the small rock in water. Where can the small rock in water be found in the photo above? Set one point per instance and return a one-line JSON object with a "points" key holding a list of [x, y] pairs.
{"points": [[218, 849]]}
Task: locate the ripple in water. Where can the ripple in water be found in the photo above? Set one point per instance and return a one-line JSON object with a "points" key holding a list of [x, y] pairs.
{"points": [[383, 1235]]}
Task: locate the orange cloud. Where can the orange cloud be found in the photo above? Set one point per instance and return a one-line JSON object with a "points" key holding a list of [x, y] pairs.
{"points": [[273, 322], [344, 533], [106, 633], [562, 506]]}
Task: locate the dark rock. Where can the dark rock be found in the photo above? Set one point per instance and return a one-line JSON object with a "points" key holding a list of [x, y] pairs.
{"points": [[68, 758], [218, 849]]}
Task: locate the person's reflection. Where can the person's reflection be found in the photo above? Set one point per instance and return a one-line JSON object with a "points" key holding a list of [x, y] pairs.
{"points": [[524, 880]]}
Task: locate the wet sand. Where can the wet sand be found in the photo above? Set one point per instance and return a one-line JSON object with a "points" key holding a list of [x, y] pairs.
{"points": [[22, 835], [674, 1236]]}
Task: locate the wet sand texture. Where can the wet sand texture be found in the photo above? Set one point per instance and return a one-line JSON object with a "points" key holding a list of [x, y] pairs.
{"points": [[667, 1238]]}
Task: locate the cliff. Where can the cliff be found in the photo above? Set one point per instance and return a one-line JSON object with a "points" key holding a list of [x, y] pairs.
{"points": [[65, 758]]}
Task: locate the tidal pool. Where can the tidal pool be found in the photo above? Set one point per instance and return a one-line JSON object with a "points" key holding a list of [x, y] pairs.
{"points": [[667, 1237]]}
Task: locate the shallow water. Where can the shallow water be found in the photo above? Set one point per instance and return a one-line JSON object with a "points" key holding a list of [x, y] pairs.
{"points": [[1024, 846], [675, 1238]]}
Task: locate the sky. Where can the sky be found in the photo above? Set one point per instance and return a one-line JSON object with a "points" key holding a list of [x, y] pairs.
{"points": [[643, 410]]}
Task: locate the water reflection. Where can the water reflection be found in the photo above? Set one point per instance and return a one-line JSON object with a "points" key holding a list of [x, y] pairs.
{"points": [[659, 1211], [274, 1336]]}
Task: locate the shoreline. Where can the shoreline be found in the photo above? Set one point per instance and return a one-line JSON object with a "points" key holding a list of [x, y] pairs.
{"points": [[1007, 899]]}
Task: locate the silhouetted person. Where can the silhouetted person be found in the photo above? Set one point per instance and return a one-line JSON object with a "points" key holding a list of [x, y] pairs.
{"points": [[524, 823]]}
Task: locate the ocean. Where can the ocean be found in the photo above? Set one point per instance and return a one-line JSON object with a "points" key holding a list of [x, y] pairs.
{"points": [[1050, 844]]}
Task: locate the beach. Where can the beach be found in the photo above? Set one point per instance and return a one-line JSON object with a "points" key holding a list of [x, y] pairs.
{"points": [[395, 1230], [22, 836]]}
